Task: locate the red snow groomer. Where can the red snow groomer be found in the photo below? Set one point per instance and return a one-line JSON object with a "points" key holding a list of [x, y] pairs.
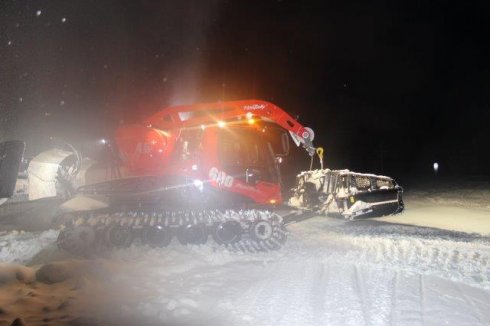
{"points": [[213, 169], [233, 148]]}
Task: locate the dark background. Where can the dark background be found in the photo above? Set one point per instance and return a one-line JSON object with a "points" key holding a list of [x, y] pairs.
{"points": [[389, 87]]}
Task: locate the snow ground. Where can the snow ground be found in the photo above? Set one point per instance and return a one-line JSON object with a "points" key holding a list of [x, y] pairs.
{"points": [[330, 272], [465, 209]]}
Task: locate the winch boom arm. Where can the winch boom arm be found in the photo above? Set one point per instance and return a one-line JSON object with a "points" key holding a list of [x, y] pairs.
{"points": [[203, 114]]}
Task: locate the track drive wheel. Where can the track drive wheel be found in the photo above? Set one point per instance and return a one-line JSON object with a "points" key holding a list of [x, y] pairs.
{"points": [[119, 236], [261, 230], [157, 236], [281, 235], [195, 234], [228, 232], [77, 240]]}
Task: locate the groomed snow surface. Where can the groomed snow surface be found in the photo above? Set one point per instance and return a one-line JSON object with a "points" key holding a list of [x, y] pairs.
{"points": [[330, 272]]}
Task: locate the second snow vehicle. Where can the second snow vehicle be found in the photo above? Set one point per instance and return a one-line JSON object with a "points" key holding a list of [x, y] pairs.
{"points": [[212, 169]]}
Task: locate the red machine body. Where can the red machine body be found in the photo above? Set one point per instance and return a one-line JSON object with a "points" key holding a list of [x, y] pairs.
{"points": [[232, 146]]}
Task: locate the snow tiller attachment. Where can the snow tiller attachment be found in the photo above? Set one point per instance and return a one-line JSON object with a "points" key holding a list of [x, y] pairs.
{"points": [[348, 194]]}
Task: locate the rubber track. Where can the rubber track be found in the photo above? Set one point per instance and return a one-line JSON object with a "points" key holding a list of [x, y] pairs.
{"points": [[137, 220]]}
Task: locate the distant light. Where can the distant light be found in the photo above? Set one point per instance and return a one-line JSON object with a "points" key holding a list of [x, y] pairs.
{"points": [[251, 121], [103, 141], [249, 115], [221, 124], [203, 127], [194, 167], [272, 201], [38, 13], [436, 167]]}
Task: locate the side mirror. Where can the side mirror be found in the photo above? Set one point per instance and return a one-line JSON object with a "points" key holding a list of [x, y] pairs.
{"points": [[285, 144]]}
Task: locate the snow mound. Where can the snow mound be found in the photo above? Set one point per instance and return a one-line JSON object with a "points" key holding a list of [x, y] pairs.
{"points": [[21, 247]]}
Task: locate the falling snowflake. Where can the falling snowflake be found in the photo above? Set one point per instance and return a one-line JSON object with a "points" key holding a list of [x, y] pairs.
{"points": [[9, 43], [63, 20], [38, 13]]}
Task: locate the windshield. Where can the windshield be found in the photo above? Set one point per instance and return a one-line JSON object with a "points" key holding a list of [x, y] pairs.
{"points": [[241, 149]]}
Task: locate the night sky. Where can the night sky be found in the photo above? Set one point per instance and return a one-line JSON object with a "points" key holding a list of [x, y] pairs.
{"points": [[389, 87]]}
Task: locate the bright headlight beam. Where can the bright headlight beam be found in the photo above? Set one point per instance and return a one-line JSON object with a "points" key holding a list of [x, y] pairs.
{"points": [[198, 184]]}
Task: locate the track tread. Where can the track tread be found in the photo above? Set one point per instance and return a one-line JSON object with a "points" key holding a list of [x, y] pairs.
{"points": [[139, 220]]}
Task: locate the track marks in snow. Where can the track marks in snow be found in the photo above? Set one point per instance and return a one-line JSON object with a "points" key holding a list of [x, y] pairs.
{"points": [[428, 300], [470, 302], [422, 299], [318, 294], [315, 292], [393, 315], [466, 261], [361, 291], [282, 285]]}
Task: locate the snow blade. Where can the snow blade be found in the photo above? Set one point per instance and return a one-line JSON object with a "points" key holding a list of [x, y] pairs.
{"points": [[11, 153], [349, 194]]}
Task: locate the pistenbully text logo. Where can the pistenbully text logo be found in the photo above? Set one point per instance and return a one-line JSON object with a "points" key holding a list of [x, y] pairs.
{"points": [[253, 107]]}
